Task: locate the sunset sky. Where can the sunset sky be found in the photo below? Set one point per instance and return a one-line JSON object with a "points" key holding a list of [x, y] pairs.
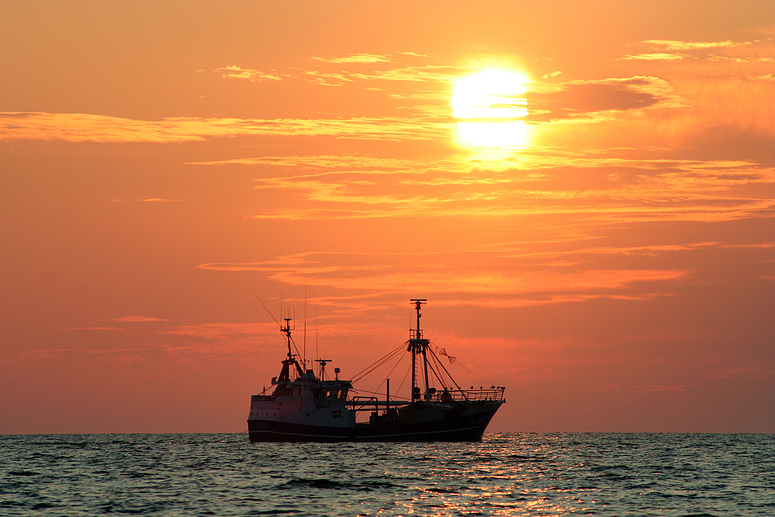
{"points": [[592, 220]]}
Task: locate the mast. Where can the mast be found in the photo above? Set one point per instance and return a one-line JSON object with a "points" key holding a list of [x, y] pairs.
{"points": [[285, 373], [287, 330], [418, 345]]}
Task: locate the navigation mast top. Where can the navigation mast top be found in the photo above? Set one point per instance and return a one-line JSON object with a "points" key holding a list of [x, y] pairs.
{"points": [[418, 303], [287, 330]]}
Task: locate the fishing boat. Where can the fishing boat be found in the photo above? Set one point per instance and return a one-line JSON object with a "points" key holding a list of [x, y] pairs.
{"points": [[309, 407]]}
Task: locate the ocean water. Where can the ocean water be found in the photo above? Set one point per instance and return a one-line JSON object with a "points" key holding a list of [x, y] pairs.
{"points": [[505, 474]]}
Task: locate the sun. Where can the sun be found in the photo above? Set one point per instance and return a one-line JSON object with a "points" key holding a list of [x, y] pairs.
{"points": [[490, 109]]}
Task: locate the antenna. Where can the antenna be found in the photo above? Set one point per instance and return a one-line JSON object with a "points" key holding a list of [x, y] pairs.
{"points": [[418, 303], [286, 329]]}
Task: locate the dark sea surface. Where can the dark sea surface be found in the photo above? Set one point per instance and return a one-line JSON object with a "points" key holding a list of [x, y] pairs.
{"points": [[506, 474]]}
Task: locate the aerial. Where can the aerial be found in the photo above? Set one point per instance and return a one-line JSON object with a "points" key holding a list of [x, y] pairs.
{"points": [[583, 191]]}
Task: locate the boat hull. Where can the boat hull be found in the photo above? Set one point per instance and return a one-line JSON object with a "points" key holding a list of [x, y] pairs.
{"points": [[465, 423]]}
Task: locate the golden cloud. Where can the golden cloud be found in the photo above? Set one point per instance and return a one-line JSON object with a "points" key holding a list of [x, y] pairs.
{"points": [[81, 127], [357, 58], [236, 72], [138, 319], [380, 272]]}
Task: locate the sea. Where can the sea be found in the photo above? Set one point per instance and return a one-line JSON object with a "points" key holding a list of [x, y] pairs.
{"points": [[511, 474]]}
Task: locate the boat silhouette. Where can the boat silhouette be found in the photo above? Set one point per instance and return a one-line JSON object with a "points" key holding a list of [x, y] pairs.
{"points": [[305, 407]]}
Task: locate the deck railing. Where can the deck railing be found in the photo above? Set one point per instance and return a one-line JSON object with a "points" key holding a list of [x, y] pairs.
{"points": [[483, 394], [494, 394]]}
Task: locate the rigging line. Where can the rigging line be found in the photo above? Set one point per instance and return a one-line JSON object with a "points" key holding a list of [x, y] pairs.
{"points": [[267, 310], [408, 369], [445, 369], [436, 373], [376, 364], [400, 358], [294, 345], [278, 323], [382, 362], [369, 369], [368, 392], [448, 378], [462, 366], [446, 382], [377, 394], [482, 378]]}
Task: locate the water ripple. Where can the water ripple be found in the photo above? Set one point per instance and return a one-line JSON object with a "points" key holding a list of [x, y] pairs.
{"points": [[506, 474]]}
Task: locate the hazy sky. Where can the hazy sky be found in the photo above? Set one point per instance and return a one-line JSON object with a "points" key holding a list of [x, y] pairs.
{"points": [[593, 226]]}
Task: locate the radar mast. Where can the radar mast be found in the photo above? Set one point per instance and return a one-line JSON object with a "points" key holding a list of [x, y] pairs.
{"points": [[418, 345]]}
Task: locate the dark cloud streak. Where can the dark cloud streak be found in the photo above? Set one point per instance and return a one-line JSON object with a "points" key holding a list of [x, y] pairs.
{"points": [[578, 99]]}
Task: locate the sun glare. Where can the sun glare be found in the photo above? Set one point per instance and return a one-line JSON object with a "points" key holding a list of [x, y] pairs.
{"points": [[490, 108]]}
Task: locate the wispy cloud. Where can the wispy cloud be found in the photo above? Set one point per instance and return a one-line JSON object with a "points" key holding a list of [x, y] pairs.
{"points": [[109, 329], [80, 127], [435, 75], [357, 58], [329, 161], [226, 331], [748, 372], [757, 51], [59, 353], [138, 319], [599, 186], [656, 56], [236, 72], [386, 273], [428, 115], [693, 45], [653, 388]]}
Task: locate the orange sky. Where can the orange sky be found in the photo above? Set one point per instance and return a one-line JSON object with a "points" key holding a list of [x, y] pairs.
{"points": [[162, 163]]}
